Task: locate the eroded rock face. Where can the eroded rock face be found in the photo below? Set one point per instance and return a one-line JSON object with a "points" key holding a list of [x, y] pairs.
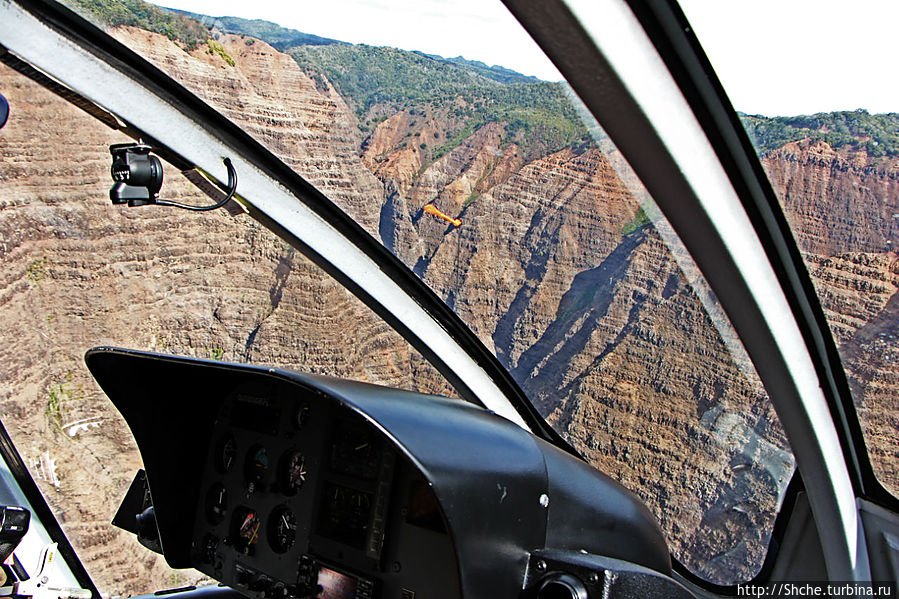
{"points": [[859, 295], [844, 209], [78, 272], [836, 201], [554, 269], [556, 273]]}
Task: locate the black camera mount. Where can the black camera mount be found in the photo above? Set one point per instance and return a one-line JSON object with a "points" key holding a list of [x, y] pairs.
{"points": [[137, 175], [138, 178]]}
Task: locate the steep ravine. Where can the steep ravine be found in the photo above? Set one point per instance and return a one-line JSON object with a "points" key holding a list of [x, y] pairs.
{"points": [[591, 314]]}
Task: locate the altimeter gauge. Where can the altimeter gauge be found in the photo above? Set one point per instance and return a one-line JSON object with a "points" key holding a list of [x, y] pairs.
{"points": [[282, 529]]}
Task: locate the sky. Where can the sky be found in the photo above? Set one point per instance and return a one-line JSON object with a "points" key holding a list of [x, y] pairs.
{"points": [[789, 57], [774, 57], [474, 29]]}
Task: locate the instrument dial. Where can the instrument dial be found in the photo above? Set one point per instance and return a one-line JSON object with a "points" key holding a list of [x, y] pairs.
{"points": [[225, 454], [216, 503], [355, 451], [292, 472], [346, 515], [245, 530], [301, 414], [282, 529], [255, 467]]}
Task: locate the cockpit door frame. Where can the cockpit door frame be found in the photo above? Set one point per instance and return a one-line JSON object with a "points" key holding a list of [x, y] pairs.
{"points": [[682, 167], [17, 487]]}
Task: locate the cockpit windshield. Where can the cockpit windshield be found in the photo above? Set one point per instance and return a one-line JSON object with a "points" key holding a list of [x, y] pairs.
{"points": [[826, 127], [486, 178]]}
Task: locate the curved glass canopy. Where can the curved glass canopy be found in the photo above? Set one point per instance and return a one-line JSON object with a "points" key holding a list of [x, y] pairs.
{"points": [[502, 194]]}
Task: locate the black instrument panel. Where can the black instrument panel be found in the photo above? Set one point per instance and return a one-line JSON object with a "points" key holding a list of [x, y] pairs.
{"points": [[285, 485], [302, 496]]}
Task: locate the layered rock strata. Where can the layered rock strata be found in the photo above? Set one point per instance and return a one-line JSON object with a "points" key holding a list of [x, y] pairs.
{"points": [[555, 269]]}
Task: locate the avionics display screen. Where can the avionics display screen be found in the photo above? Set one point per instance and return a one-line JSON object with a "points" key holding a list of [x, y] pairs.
{"points": [[336, 585], [345, 515], [255, 414]]}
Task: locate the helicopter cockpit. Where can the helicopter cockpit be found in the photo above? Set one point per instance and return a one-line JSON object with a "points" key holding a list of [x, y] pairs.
{"points": [[439, 329]]}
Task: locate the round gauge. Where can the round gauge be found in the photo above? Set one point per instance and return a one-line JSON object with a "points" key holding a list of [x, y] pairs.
{"points": [[292, 472], [282, 529], [255, 466], [245, 527], [355, 451], [301, 414], [216, 503], [225, 453]]}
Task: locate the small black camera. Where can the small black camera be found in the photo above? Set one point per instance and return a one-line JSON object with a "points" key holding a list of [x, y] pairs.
{"points": [[137, 175]]}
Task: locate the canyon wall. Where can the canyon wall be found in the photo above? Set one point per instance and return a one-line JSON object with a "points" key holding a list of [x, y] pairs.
{"points": [[843, 207], [78, 272], [555, 268]]}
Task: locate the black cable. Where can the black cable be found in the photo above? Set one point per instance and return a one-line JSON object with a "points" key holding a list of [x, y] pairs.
{"points": [[232, 187]]}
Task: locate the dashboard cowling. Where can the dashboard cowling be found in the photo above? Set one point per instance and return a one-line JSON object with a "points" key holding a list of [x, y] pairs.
{"points": [[502, 493]]}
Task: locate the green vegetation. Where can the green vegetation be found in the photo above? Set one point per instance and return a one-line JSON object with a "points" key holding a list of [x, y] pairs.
{"points": [[456, 138], [284, 38], [537, 114], [477, 186], [877, 134], [59, 394], [466, 94], [136, 13], [496, 72], [213, 48], [640, 220], [379, 81], [53, 410], [37, 270], [277, 36], [320, 83]]}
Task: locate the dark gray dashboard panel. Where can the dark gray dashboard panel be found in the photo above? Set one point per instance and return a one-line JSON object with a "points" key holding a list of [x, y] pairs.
{"points": [[278, 485], [300, 490], [272, 482]]}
